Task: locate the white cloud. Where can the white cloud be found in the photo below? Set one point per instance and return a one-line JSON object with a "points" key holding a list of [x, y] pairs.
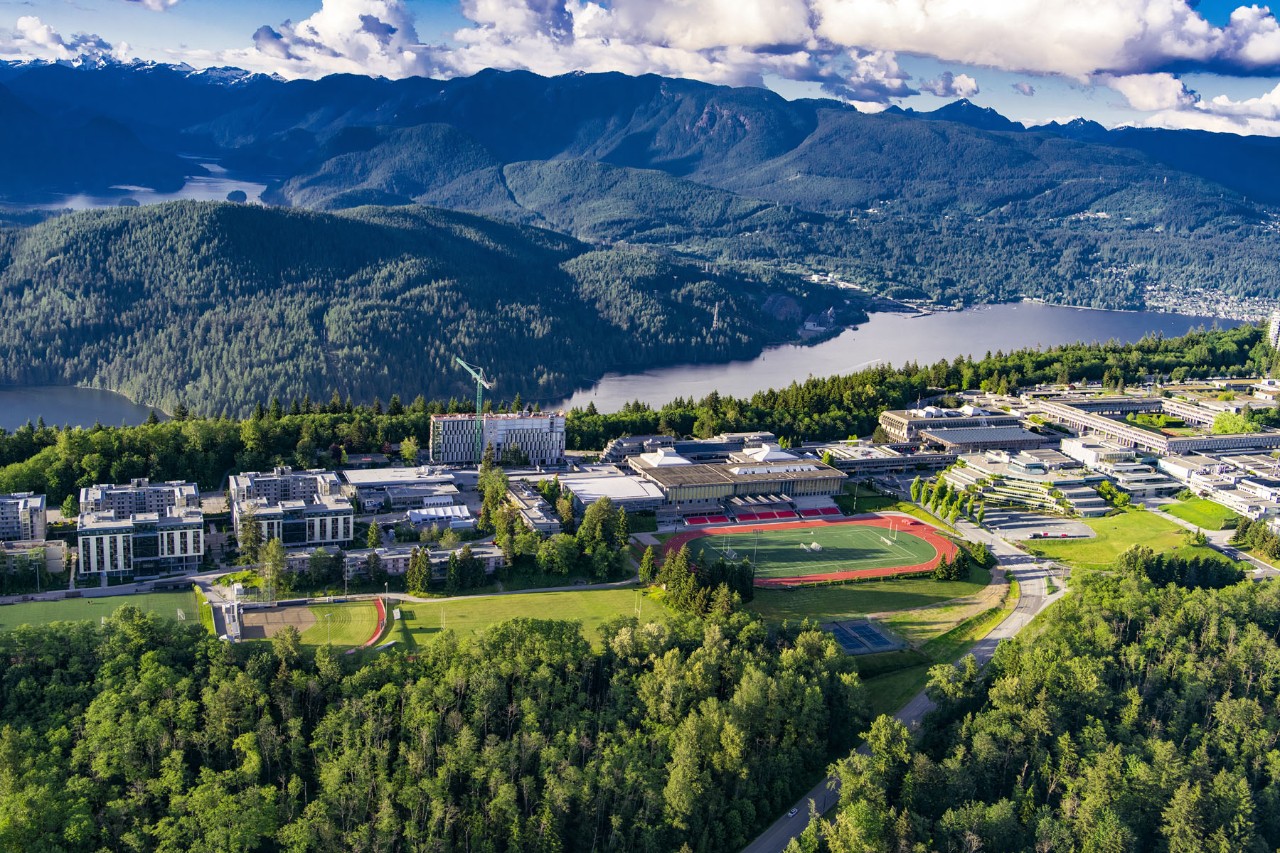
{"points": [[32, 38], [345, 36], [1149, 92], [949, 85], [1024, 88], [155, 5]]}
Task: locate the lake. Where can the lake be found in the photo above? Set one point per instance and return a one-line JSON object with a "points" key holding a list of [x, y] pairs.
{"points": [[892, 338], [63, 405], [211, 187]]}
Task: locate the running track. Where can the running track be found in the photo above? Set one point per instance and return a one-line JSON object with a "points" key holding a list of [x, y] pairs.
{"points": [[944, 547]]}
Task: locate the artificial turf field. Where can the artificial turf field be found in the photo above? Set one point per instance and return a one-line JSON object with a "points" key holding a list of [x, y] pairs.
{"points": [[875, 546], [167, 604]]}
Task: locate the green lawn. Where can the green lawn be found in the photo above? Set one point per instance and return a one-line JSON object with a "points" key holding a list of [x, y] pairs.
{"points": [[94, 609], [347, 625], [843, 547], [1115, 534], [889, 692], [848, 601], [1205, 514], [864, 501], [589, 607]]}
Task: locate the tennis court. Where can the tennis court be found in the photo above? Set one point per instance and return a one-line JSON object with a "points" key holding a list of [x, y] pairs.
{"points": [[861, 638], [822, 551]]}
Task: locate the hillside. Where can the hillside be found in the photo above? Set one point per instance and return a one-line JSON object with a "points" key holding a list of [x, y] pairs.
{"points": [[958, 205], [220, 306]]}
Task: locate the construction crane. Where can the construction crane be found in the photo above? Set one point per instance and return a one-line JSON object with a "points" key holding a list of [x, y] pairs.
{"points": [[477, 373]]}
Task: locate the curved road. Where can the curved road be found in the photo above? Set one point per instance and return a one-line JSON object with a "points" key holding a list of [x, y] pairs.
{"points": [[1034, 598]]}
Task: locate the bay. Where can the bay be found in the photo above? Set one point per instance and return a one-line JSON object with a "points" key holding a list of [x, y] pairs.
{"points": [[63, 405]]}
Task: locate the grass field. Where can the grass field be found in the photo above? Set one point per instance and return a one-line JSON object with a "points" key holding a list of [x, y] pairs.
{"points": [[345, 625], [93, 609], [848, 601], [469, 616], [844, 547], [1205, 514], [864, 501], [888, 692], [1114, 535]]}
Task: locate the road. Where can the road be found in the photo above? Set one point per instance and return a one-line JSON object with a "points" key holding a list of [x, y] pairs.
{"points": [[1220, 541], [1034, 598]]}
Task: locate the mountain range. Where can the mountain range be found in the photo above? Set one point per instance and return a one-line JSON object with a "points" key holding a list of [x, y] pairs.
{"points": [[742, 193]]}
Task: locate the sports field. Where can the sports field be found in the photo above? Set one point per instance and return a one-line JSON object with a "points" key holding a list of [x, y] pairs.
{"points": [[172, 605], [823, 551]]}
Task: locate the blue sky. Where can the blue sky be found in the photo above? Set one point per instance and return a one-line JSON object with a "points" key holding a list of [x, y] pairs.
{"points": [[1172, 63]]}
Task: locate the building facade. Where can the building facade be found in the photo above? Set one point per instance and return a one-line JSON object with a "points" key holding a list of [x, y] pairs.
{"points": [[22, 517], [539, 436], [139, 529], [300, 508]]}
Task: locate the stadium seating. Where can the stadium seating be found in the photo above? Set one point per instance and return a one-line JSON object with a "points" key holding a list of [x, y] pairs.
{"points": [[717, 519]]}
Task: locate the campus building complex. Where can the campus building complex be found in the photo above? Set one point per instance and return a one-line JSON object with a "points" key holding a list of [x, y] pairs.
{"points": [[904, 426], [537, 436], [300, 508], [1105, 417], [139, 529], [22, 517]]}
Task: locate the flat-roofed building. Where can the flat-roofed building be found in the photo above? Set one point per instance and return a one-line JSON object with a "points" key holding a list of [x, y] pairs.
{"points": [[633, 493], [694, 486], [139, 529], [537, 436], [978, 439], [862, 459], [399, 488], [902, 425], [297, 507], [22, 517], [532, 508], [717, 447]]}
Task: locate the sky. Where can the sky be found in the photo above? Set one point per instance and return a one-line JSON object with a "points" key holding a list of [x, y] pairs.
{"points": [[1213, 64]]}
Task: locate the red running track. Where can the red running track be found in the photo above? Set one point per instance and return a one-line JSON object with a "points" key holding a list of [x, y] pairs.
{"points": [[945, 547]]}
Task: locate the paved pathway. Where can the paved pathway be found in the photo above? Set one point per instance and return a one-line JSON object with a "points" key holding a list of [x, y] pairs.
{"points": [[1220, 540], [1033, 600]]}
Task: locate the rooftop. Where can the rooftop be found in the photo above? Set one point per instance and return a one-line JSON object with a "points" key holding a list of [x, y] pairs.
{"points": [[371, 477]]}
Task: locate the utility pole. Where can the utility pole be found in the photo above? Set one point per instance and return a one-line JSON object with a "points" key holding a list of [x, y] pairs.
{"points": [[482, 384]]}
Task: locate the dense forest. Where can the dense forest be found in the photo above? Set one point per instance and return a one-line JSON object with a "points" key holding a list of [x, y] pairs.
{"points": [[57, 462], [142, 734], [218, 306], [1138, 717]]}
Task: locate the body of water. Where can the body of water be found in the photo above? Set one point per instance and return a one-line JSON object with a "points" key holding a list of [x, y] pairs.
{"points": [[62, 405], [212, 187], [892, 338]]}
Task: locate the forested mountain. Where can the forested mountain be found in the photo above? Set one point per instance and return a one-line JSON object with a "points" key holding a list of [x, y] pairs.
{"points": [[221, 306], [956, 205]]}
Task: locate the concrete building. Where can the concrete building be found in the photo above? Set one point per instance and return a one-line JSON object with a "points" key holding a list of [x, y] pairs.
{"points": [[532, 508], [1273, 329], [633, 493], [399, 488], [140, 529], [300, 508], [538, 435], [22, 517], [1104, 416], [903, 425], [977, 439], [767, 471], [716, 448], [861, 459]]}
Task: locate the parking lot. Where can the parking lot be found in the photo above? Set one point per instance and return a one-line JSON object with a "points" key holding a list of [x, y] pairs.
{"points": [[1026, 525]]}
